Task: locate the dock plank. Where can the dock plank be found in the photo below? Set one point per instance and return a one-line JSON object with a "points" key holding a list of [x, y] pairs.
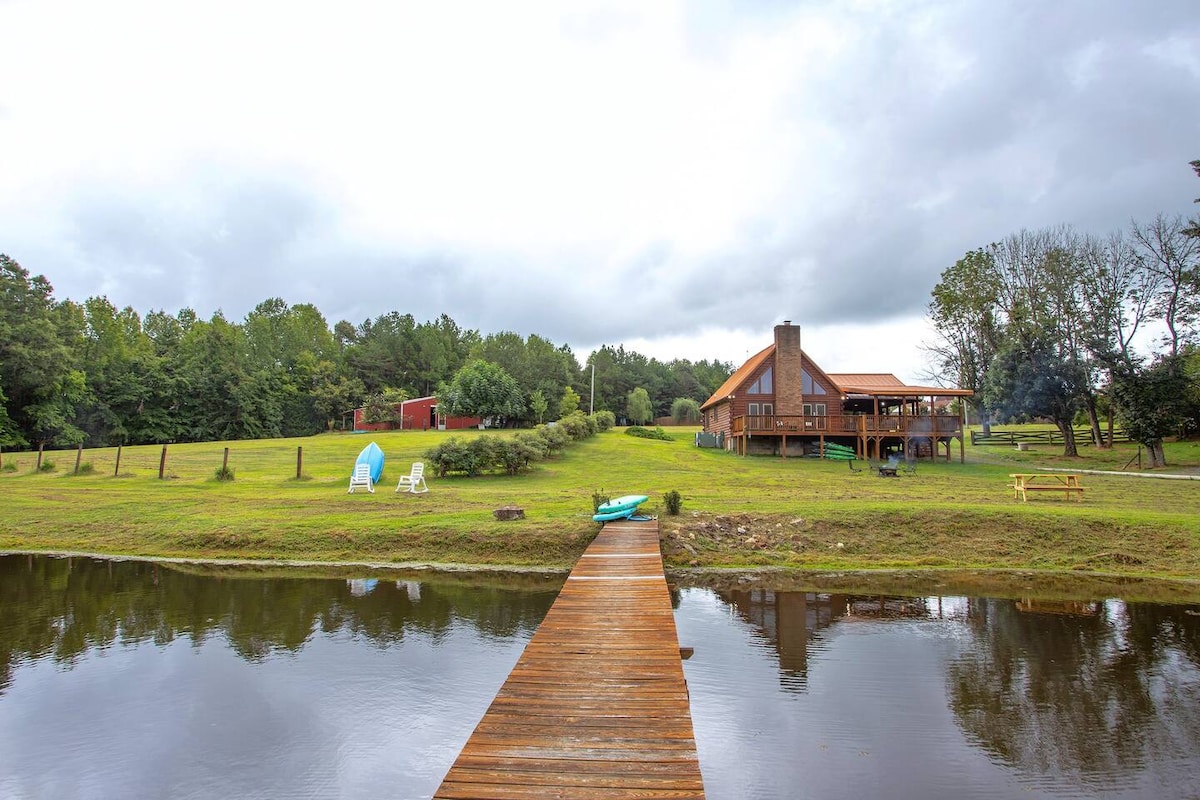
{"points": [[597, 706]]}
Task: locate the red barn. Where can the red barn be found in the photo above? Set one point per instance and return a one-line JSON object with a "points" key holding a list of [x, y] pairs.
{"points": [[418, 414]]}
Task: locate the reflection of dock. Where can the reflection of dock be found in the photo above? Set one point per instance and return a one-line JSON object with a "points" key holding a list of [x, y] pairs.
{"points": [[597, 705]]}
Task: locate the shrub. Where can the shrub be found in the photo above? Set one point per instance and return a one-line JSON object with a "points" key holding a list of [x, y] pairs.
{"points": [[449, 456], [223, 473], [483, 453], [486, 453], [47, 466], [599, 498], [555, 437], [87, 468], [521, 451], [646, 433], [9, 466], [576, 425], [605, 420], [673, 501]]}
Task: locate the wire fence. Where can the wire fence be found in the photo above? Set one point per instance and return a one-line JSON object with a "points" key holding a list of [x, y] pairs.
{"points": [[267, 460]]}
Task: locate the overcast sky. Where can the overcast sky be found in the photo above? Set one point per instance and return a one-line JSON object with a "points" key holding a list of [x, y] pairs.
{"points": [[678, 177]]}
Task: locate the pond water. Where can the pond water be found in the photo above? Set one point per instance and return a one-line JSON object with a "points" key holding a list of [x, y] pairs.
{"points": [[137, 680]]}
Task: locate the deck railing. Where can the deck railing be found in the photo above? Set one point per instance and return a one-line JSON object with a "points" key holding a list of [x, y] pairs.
{"points": [[846, 424]]}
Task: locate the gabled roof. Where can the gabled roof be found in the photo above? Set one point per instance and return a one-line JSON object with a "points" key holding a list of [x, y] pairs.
{"points": [[739, 376], [869, 383]]}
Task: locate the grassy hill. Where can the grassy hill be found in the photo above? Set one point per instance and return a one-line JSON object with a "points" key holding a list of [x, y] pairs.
{"points": [[737, 512]]}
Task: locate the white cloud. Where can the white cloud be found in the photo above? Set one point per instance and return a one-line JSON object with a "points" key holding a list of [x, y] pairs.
{"points": [[675, 176]]}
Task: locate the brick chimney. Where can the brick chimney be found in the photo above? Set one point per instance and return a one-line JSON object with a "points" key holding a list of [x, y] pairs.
{"points": [[789, 390]]}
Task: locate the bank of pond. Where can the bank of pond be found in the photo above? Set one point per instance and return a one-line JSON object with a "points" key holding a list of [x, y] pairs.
{"points": [[143, 679]]}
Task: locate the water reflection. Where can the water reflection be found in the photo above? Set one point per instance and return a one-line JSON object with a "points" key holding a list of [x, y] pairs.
{"points": [[62, 607], [791, 622], [1096, 691], [135, 680], [942, 697]]}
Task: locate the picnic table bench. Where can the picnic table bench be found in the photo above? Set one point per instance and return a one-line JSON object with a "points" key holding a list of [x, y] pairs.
{"points": [[1065, 482]]}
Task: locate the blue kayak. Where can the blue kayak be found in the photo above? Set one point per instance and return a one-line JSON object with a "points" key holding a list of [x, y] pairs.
{"points": [[372, 456], [624, 513], [622, 503], [619, 508]]}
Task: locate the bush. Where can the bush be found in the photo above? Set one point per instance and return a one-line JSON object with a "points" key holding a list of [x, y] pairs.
{"points": [[605, 420], [599, 498], [646, 433], [224, 473], [555, 437], [486, 454], [9, 466], [673, 501], [47, 466], [521, 451], [449, 456], [577, 425], [87, 468], [513, 455], [483, 453]]}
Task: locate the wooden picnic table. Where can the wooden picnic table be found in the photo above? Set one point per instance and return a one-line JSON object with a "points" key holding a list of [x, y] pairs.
{"points": [[1065, 482]]}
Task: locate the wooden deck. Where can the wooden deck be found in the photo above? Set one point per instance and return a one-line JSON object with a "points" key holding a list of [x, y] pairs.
{"points": [[597, 706]]}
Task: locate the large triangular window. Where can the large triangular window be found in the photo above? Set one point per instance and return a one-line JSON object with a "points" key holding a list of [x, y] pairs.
{"points": [[763, 385], [810, 386]]}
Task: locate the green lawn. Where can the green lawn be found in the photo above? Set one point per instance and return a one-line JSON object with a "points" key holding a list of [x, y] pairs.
{"points": [[737, 512]]}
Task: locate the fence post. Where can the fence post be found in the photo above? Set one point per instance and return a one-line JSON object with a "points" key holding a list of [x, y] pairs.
{"points": [[78, 457], [299, 460], [41, 446], [225, 462], [162, 463], [117, 468]]}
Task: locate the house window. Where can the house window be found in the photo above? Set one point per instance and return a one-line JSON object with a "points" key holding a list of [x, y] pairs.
{"points": [[764, 384], [814, 409], [754, 409], [809, 386]]}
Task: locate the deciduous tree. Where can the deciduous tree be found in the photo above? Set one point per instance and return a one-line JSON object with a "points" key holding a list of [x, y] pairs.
{"points": [[482, 389], [638, 406]]}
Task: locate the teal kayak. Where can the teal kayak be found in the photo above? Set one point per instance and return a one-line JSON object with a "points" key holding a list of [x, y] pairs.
{"points": [[619, 507]]}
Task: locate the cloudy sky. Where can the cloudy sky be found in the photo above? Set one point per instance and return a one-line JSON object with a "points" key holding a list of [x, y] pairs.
{"points": [[674, 176]]}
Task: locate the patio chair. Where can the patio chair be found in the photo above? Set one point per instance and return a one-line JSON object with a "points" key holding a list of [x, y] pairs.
{"points": [[361, 479], [415, 478]]}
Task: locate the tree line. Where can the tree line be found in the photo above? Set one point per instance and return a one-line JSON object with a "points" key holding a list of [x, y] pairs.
{"points": [[93, 373], [1057, 324]]}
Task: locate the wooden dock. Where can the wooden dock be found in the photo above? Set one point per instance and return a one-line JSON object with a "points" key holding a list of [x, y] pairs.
{"points": [[596, 707]]}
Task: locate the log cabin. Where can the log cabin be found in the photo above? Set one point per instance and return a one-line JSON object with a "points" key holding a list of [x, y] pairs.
{"points": [[780, 402]]}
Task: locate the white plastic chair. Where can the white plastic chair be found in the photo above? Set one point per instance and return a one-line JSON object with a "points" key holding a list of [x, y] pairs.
{"points": [[361, 478], [414, 479]]}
